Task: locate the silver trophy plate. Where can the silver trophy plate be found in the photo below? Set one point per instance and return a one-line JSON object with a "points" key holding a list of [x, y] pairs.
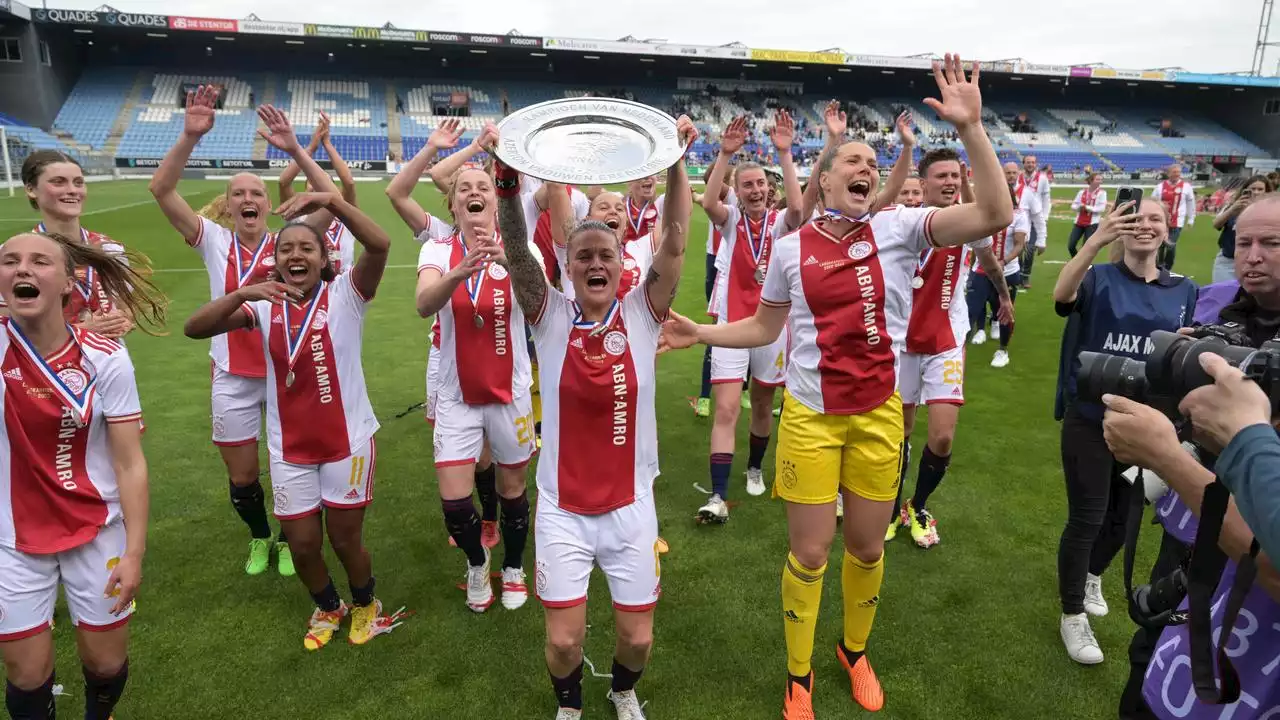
{"points": [[589, 141]]}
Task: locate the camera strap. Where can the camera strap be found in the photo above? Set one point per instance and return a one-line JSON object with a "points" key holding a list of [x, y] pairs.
{"points": [[1204, 573], [1132, 528]]}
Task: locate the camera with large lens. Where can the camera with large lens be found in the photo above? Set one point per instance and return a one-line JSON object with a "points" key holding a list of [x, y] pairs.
{"points": [[1156, 605], [1172, 367]]}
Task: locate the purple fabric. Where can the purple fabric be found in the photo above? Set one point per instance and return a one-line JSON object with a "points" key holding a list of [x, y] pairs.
{"points": [[1213, 298]]}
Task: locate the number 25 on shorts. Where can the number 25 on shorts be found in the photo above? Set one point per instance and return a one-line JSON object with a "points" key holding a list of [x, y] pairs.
{"points": [[524, 430], [953, 372]]}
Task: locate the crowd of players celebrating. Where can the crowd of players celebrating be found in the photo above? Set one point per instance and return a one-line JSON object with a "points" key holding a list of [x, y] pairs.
{"points": [[551, 307]]}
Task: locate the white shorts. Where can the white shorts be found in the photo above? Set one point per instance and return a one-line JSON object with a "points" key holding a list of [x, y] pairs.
{"points": [[237, 408], [768, 364], [433, 382], [29, 586], [462, 429], [623, 542], [929, 379], [300, 490]]}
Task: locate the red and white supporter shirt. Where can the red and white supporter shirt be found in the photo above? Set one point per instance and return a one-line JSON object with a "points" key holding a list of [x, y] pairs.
{"points": [[939, 315], [641, 217], [1089, 206], [479, 363], [58, 483], [324, 415], [849, 299], [538, 222], [741, 262], [599, 420], [89, 295], [231, 266], [713, 233], [637, 256], [1179, 199], [433, 230], [1002, 243]]}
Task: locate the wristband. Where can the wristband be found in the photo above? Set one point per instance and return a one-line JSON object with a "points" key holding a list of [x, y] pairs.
{"points": [[506, 181]]}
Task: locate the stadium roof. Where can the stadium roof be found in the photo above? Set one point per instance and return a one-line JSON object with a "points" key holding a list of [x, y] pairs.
{"points": [[107, 16]]}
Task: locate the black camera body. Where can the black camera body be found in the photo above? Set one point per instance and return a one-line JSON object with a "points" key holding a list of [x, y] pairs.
{"points": [[1172, 368]]}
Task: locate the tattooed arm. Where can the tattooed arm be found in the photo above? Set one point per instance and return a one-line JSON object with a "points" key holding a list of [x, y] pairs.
{"points": [[663, 277], [527, 278]]}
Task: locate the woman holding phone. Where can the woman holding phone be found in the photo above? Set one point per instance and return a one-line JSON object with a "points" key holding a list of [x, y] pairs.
{"points": [[1110, 308]]}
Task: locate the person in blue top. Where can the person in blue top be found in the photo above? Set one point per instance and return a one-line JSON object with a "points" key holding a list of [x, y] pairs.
{"points": [[1225, 221], [1110, 308]]}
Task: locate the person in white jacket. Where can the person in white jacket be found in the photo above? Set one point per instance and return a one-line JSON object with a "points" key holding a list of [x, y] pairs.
{"points": [[1179, 201], [1034, 181], [1089, 205]]}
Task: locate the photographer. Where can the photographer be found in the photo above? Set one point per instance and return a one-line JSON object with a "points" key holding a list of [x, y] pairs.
{"points": [[1223, 264], [1111, 308], [1145, 437]]}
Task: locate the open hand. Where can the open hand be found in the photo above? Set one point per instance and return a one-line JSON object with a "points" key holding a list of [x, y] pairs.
{"points": [[1004, 315], [734, 136], [678, 332], [123, 582], [305, 204], [321, 135], [200, 111], [112, 324], [269, 290], [784, 131], [1221, 410], [837, 122], [961, 101], [488, 138], [906, 131], [279, 131], [446, 135], [1114, 225]]}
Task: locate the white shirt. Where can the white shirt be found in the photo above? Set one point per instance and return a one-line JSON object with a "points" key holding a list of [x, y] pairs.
{"points": [[231, 266], [850, 299], [324, 415], [731, 200], [1179, 200], [1038, 185]]}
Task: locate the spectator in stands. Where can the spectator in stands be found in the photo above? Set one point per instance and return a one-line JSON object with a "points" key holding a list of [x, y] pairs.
{"points": [[1224, 263], [1089, 205], [1179, 201]]}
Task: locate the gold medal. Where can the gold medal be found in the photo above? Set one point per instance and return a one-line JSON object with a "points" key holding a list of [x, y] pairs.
{"points": [[477, 321], [288, 379]]}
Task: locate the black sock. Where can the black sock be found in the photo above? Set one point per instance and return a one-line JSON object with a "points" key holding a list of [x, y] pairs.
{"points": [[362, 596], [327, 599], [801, 681], [932, 469], [757, 444], [281, 537], [1006, 334], [904, 460], [515, 529], [102, 693], [569, 689], [624, 678], [721, 464], [34, 704], [705, 390], [251, 504], [464, 527], [850, 655], [487, 489]]}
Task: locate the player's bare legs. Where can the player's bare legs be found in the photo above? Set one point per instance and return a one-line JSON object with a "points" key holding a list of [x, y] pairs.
{"points": [[630, 655], [566, 631], [28, 667], [515, 534], [463, 522]]}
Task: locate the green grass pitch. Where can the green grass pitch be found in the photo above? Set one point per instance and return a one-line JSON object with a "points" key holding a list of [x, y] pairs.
{"points": [[967, 630]]}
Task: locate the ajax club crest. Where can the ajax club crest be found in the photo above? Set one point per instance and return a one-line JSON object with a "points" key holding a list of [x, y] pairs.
{"points": [[860, 250], [497, 272], [74, 378], [318, 322], [615, 343]]}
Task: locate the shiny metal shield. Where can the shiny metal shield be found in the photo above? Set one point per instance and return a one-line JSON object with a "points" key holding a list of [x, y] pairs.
{"points": [[589, 141]]}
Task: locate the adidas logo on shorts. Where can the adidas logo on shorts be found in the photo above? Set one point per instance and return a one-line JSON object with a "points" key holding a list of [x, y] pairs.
{"points": [[353, 495]]}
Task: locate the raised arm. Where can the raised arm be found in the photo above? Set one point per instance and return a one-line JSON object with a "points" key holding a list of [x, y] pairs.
{"points": [[1233, 210], [226, 313], [527, 277], [366, 274], [961, 105], [783, 136], [560, 205], [279, 132], [125, 442], [442, 171], [731, 141], [198, 120], [1110, 228], [400, 189], [837, 125], [902, 167], [966, 187], [663, 277], [290, 172], [340, 166]]}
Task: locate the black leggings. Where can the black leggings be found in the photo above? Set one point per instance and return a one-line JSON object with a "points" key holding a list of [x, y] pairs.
{"points": [[1097, 507], [1079, 233], [704, 391]]}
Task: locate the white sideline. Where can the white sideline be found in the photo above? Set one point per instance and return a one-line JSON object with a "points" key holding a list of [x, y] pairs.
{"points": [[200, 269]]}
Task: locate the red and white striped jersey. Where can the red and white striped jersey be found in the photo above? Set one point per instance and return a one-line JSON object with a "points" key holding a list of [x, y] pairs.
{"points": [[433, 229], [340, 245], [637, 256], [1089, 206], [484, 357], [1002, 243], [713, 233], [741, 262], [641, 217], [1179, 199], [318, 409], [231, 266], [57, 482], [89, 295], [599, 420], [939, 315], [849, 299]]}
